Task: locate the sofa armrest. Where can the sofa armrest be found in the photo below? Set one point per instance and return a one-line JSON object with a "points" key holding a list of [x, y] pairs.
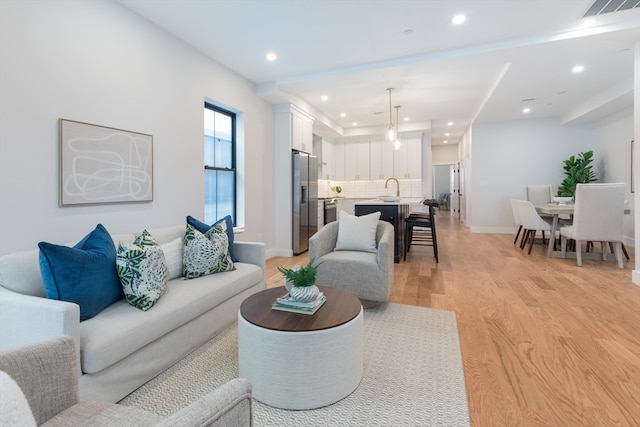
{"points": [[47, 373], [386, 238], [26, 319], [250, 253], [323, 241], [228, 405]]}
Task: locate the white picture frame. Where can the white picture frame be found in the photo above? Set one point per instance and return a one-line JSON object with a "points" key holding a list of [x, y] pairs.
{"points": [[103, 165]]}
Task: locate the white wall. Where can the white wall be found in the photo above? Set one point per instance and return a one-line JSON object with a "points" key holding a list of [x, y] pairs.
{"points": [[97, 62], [445, 154], [613, 159], [509, 155]]}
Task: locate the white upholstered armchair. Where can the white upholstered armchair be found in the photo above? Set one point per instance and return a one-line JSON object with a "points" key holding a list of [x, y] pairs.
{"points": [[368, 275]]}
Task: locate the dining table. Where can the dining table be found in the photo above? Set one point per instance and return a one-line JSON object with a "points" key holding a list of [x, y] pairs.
{"points": [[556, 210]]}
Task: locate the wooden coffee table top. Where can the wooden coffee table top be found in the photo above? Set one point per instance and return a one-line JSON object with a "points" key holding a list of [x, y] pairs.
{"points": [[340, 307]]}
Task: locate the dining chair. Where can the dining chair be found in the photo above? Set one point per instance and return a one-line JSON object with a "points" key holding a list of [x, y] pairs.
{"points": [[516, 218], [538, 194], [531, 223], [597, 217]]}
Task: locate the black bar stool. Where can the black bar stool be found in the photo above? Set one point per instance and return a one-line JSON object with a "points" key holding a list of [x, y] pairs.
{"points": [[425, 232]]}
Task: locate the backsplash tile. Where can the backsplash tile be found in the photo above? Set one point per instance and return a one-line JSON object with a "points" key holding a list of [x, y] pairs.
{"points": [[370, 189]]}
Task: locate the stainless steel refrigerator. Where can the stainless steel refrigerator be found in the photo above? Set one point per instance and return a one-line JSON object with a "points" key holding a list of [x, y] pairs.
{"points": [[305, 200]]}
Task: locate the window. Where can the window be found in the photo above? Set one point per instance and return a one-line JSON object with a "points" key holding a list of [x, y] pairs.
{"points": [[219, 164]]}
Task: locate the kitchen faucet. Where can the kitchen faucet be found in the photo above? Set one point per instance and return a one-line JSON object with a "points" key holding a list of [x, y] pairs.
{"points": [[397, 185]]}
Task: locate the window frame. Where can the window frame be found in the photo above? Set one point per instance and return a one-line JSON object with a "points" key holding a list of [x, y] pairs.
{"points": [[234, 166]]}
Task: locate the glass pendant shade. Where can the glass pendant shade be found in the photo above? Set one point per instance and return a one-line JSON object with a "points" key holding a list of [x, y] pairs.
{"points": [[396, 140]]}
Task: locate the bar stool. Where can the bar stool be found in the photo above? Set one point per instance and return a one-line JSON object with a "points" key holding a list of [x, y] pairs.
{"points": [[425, 232]]}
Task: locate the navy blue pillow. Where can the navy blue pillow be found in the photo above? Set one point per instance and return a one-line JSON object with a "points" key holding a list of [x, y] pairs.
{"points": [[203, 228], [84, 274]]}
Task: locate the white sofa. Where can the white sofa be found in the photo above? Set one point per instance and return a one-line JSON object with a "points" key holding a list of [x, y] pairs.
{"points": [[122, 347]]}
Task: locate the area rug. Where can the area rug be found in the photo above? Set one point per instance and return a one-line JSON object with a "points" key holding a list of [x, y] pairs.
{"points": [[413, 376]]}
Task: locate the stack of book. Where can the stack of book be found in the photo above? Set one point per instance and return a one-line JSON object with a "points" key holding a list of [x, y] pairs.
{"points": [[286, 303]]}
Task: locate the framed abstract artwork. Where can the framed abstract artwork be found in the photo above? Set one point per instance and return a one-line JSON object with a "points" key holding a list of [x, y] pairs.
{"points": [[102, 165]]}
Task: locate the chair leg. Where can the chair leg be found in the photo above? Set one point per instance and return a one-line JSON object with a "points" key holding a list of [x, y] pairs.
{"points": [[579, 253], [624, 250], [517, 234], [533, 238], [434, 241], [617, 250], [544, 241], [563, 246]]}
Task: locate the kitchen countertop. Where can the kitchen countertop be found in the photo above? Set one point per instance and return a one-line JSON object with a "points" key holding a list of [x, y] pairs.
{"points": [[402, 201]]}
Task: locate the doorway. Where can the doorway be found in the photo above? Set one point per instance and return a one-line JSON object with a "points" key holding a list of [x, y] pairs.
{"points": [[443, 176]]}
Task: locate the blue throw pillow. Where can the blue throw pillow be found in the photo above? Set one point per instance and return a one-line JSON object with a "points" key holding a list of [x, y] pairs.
{"points": [[84, 274], [203, 228]]}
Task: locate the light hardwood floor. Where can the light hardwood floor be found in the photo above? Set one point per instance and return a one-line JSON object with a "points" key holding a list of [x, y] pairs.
{"points": [[544, 342]]}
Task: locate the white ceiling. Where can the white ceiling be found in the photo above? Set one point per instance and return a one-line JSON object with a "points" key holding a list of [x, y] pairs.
{"points": [[352, 50]]}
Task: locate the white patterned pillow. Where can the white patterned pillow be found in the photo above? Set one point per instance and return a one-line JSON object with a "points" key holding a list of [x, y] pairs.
{"points": [[142, 270], [206, 253], [173, 256]]}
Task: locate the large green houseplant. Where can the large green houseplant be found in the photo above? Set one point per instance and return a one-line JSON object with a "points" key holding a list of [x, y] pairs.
{"points": [[577, 170]]}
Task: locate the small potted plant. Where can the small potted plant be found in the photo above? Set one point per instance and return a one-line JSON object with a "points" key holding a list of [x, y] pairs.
{"points": [[301, 281]]}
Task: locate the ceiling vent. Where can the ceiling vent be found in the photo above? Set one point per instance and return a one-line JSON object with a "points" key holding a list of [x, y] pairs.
{"points": [[607, 6]]}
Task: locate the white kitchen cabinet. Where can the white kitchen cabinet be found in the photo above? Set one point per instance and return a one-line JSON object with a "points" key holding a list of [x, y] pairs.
{"points": [[357, 161], [339, 161], [328, 161], [407, 161], [295, 127], [381, 155]]}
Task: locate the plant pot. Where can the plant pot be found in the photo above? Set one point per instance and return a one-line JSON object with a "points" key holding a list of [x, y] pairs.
{"points": [[304, 293]]}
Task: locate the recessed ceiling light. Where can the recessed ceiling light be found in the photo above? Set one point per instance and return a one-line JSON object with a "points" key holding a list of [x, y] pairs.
{"points": [[588, 23], [578, 68], [354, 124], [526, 110], [324, 97], [406, 119], [445, 141], [450, 124], [343, 114], [447, 134], [271, 56], [459, 19]]}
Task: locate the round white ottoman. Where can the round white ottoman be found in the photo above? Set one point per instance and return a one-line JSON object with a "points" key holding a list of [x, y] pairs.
{"points": [[301, 369]]}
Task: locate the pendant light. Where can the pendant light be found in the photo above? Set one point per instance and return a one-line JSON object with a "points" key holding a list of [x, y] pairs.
{"points": [[391, 133], [396, 141]]}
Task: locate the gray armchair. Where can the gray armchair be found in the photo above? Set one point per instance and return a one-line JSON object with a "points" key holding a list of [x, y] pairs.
{"points": [[368, 275], [47, 374]]}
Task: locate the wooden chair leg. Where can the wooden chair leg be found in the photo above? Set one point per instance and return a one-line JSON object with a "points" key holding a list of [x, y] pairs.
{"points": [[624, 250], [533, 238], [517, 234]]}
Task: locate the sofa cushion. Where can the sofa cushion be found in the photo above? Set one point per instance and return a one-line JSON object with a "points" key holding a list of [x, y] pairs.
{"points": [[357, 233], [173, 257], [206, 253], [142, 270], [203, 228], [84, 274], [120, 329]]}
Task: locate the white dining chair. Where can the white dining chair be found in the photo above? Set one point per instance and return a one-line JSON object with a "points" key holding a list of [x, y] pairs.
{"points": [[597, 217], [531, 223], [516, 218], [538, 194]]}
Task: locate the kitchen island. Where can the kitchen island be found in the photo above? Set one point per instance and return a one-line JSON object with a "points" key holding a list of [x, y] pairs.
{"points": [[393, 212]]}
